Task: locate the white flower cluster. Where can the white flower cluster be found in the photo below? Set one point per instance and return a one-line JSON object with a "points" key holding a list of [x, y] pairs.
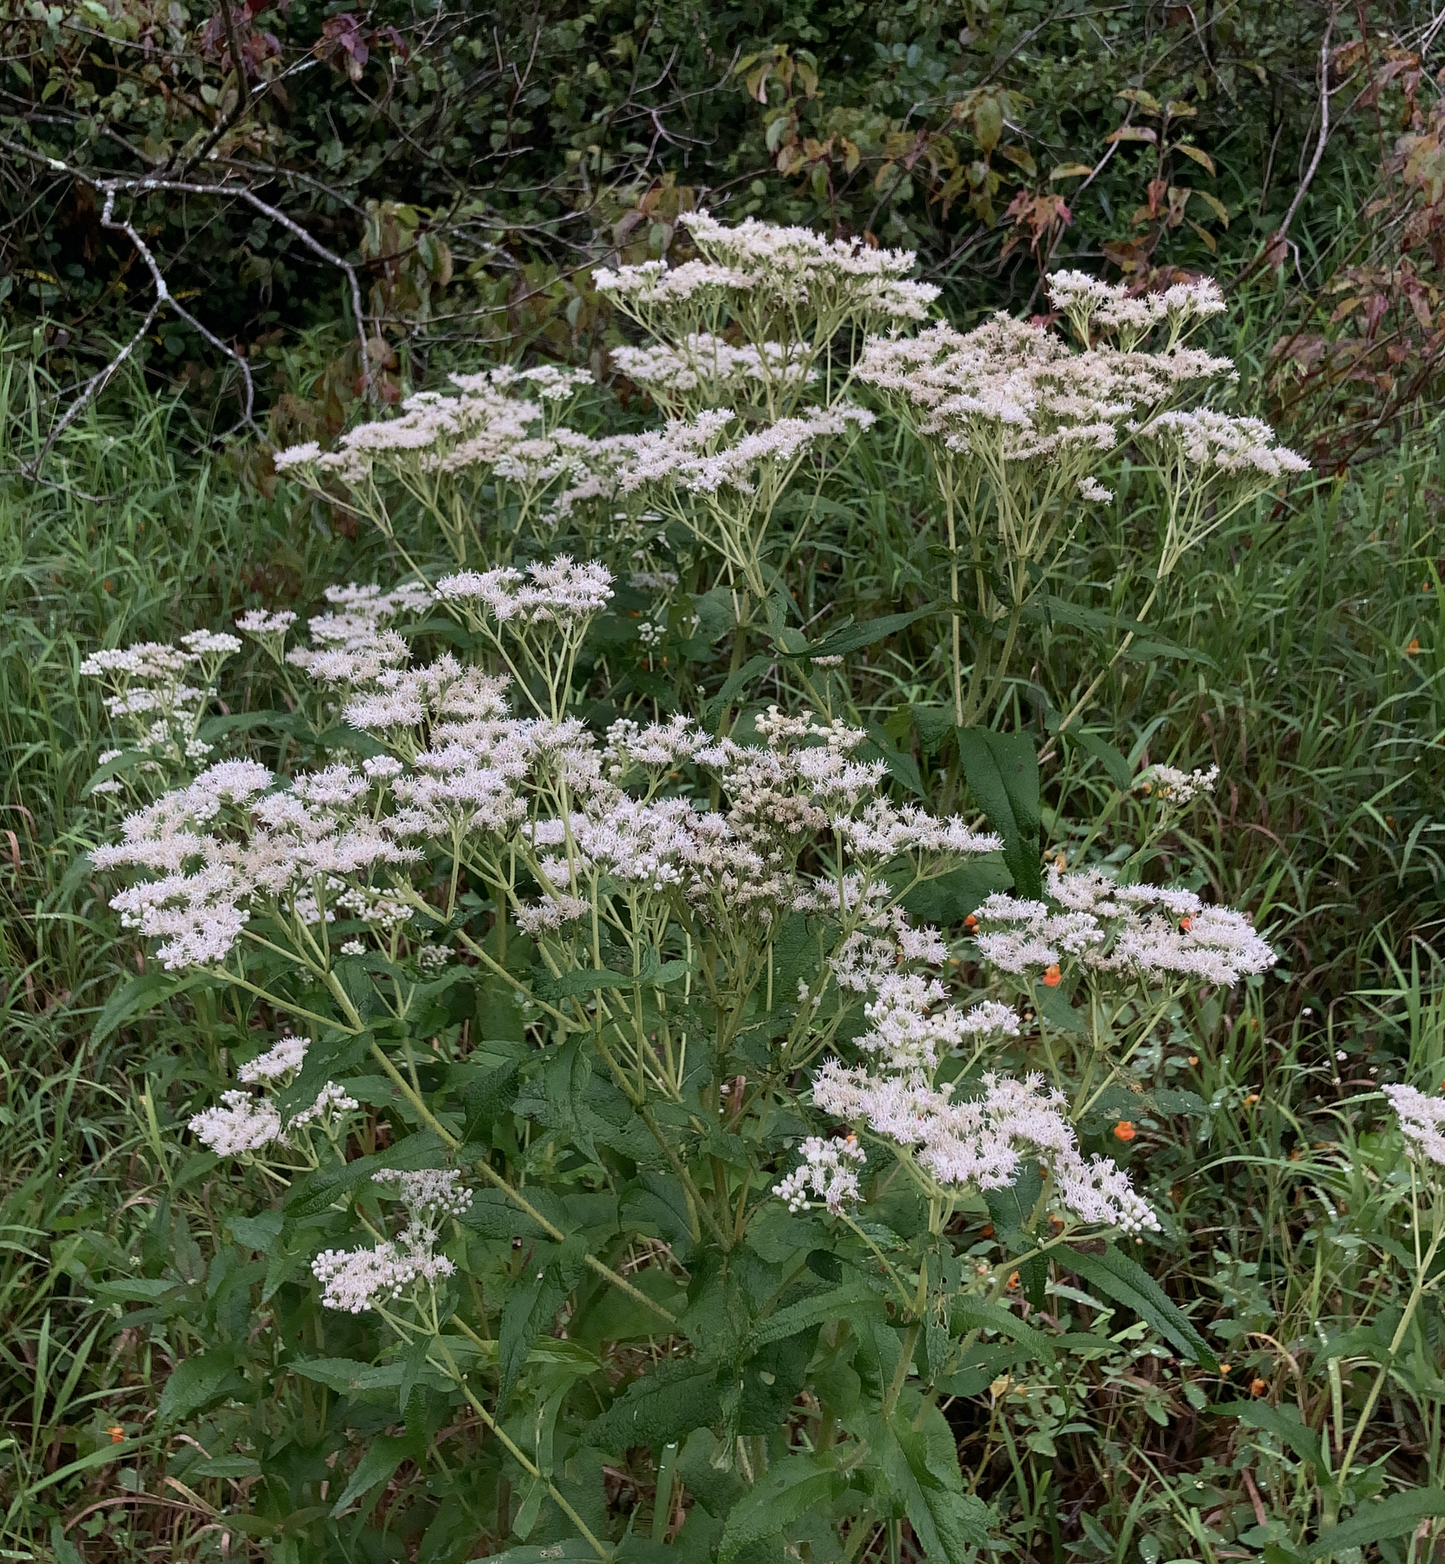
{"points": [[222, 843], [556, 591], [354, 644], [787, 266], [702, 369], [980, 1143], [1220, 443], [1118, 309], [428, 1195], [1176, 787], [1422, 1123], [428, 429], [829, 1171], [972, 1143], [355, 1280], [1011, 392], [465, 778], [150, 694], [244, 1124], [693, 456], [1132, 933]]}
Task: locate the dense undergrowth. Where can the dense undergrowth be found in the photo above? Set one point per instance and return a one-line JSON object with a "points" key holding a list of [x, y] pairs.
{"points": [[1298, 649]]}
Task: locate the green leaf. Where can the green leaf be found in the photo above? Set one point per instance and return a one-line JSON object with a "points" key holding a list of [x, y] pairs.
{"points": [[319, 1190], [328, 1059], [487, 1099], [951, 897], [739, 680], [1010, 1208], [139, 994], [852, 1301], [531, 1307], [1002, 770], [231, 1466], [1396, 1516], [901, 765], [920, 1465], [349, 1378], [243, 722], [1122, 1279], [667, 1403], [853, 637], [1116, 767], [1053, 1005], [197, 1382], [572, 1551], [377, 1465], [1286, 1426], [977, 1314], [117, 765], [791, 1488]]}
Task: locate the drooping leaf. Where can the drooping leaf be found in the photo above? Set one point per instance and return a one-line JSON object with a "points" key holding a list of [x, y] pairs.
{"points": [[853, 1300], [788, 1490], [950, 898], [197, 1382], [377, 1465], [853, 637], [1116, 767], [1125, 1281], [978, 1314], [1002, 770], [1010, 1209], [920, 1466], [140, 994], [1396, 1516], [531, 1306], [487, 1099], [662, 1407], [319, 1190], [1285, 1424]]}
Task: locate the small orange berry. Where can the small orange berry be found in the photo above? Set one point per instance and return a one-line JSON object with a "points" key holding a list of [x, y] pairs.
{"points": [[1052, 976], [1257, 1387], [1124, 1130], [987, 1229]]}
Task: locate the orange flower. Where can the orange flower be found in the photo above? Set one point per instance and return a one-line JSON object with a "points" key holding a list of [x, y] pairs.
{"points": [[1124, 1130], [1224, 1368], [117, 1434], [1013, 1280], [1052, 977], [1185, 924], [987, 1229], [970, 922], [1194, 1058], [1250, 1101], [1413, 647], [1257, 1387]]}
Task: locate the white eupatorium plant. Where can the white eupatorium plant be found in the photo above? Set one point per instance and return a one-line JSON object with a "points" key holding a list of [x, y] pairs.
{"points": [[756, 354], [1021, 429], [724, 1012], [626, 1077]]}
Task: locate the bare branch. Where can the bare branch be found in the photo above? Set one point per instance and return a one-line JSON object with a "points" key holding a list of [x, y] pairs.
{"points": [[140, 185]]}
